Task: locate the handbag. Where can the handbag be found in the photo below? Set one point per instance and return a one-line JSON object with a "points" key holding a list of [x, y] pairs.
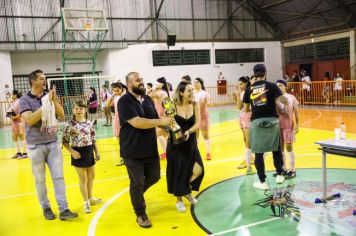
{"points": [[93, 104]]}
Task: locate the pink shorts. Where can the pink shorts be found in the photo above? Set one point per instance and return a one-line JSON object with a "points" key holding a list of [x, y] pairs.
{"points": [[245, 120], [287, 136]]}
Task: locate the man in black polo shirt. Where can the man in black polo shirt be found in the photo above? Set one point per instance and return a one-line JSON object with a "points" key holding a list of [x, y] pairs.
{"points": [[264, 130], [138, 145]]}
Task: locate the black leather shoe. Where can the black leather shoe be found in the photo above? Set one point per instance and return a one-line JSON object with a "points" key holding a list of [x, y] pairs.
{"points": [[143, 221]]}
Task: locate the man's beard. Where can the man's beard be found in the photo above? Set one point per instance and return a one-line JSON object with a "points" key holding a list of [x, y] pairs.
{"points": [[139, 91]]}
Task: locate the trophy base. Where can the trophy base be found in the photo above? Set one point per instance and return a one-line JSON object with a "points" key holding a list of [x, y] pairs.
{"points": [[177, 137]]}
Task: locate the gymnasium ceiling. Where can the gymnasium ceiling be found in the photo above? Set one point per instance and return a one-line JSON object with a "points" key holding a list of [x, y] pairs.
{"points": [[36, 24], [299, 18]]}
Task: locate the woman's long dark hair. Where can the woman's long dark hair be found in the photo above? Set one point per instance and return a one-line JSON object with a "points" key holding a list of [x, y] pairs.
{"points": [[201, 82], [163, 81], [178, 99], [246, 80], [92, 89]]}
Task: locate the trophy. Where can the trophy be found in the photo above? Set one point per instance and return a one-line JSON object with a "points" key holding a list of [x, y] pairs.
{"points": [[175, 130]]}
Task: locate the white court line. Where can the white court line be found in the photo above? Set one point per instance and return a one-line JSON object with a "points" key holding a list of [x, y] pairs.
{"points": [[245, 226], [67, 187], [317, 118], [96, 218], [125, 177], [100, 212]]}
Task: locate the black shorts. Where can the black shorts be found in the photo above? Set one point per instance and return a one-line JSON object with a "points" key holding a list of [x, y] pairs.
{"points": [[112, 108], [87, 157], [93, 110]]}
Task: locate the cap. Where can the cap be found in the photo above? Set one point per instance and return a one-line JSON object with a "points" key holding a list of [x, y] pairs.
{"points": [[259, 68], [282, 81]]}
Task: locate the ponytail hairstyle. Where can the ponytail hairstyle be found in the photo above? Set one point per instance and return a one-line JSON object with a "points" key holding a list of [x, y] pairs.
{"points": [[17, 93], [201, 82], [246, 80], [80, 103], [92, 89], [123, 86]]}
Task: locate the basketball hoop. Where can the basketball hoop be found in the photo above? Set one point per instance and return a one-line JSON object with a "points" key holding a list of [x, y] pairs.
{"points": [[87, 23]]}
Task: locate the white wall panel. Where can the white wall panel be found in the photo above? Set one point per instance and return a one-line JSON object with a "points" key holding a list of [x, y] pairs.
{"points": [[249, 27], [3, 30], [262, 32], [201, 29], [199, 8], [120, 66], [24, 63], [222, 7], [184, 9], [45, 8], [5, 75], [2, 7]]}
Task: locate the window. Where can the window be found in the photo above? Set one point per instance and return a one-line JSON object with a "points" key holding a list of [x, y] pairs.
{"points": [[180, 57], [225, 56], [325, 50]]}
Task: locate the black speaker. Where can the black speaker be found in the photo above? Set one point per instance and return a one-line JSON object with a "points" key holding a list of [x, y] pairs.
{"points": [[171, 39]]}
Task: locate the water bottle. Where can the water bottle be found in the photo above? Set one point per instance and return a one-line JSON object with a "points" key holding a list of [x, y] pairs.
{"points": [[342, 131]]}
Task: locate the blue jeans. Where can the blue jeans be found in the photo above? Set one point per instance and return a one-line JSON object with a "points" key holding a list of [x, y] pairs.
{"points": [[49, 153]]}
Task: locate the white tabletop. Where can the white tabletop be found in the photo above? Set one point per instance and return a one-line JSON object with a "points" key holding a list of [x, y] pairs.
{"points": [[347, 144]]}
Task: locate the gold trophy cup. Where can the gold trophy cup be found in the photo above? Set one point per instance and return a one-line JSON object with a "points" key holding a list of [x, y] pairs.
{"points": [[175, 130]]}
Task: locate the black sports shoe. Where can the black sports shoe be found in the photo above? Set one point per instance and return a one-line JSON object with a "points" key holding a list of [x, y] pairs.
{"points": [[284, 173], [67, 214], [17, 155], [291, 174], [48, 214]]}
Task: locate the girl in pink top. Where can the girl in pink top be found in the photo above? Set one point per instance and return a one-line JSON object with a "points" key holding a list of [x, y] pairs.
{"points": [[202, 97], [18, 134], [118, 91], [245, 121], [158, 95], [288, 127], [104, 96]]}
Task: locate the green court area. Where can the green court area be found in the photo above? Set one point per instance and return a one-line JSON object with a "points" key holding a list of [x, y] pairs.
{"points": [[228, 207]]}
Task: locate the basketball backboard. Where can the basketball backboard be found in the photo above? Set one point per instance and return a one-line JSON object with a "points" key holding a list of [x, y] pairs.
{"points": [[84, 20]]}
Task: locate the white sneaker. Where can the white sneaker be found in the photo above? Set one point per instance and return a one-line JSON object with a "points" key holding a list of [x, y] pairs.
{"points": [[95, 201], [279, 179], [180, 207], [260, 185], [87, 208], [193, 201]]}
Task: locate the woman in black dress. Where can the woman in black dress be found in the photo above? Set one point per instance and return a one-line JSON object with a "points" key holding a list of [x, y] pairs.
{"points": [[93, 105], [185, 168]]}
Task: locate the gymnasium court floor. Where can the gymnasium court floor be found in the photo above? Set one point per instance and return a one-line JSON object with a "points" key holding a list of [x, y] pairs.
{"points": [[226, 200]]}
